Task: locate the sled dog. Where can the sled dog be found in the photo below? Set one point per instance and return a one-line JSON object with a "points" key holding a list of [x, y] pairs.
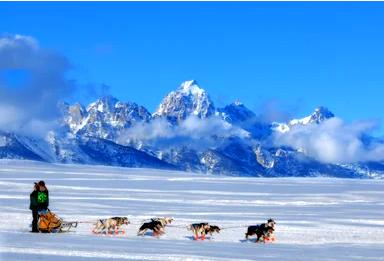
{"points": [[110, 224], [157, 225]]}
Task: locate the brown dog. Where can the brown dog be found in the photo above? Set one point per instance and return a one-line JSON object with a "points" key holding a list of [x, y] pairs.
{"points": [[200, 230], [110, 225]]}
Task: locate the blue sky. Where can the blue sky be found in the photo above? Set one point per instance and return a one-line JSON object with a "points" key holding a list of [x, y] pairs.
{"points": [[296, 55]]}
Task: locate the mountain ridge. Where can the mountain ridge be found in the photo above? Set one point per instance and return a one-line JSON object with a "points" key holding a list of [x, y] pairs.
{"points": [[92, 134]]}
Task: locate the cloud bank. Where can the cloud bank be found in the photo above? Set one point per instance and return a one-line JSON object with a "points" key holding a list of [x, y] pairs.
{"points": [[334, 141], [195, 132], [31, 108]]}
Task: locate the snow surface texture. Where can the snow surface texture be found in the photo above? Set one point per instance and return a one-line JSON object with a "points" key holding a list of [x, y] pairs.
{"points": [[317, 218]]}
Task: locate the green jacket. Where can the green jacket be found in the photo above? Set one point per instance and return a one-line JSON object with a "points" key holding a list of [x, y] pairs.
{"points": [[33, 200], [39, 200]]}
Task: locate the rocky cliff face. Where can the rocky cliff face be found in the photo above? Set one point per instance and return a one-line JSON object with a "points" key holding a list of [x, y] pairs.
{"points": [[189, 99]]}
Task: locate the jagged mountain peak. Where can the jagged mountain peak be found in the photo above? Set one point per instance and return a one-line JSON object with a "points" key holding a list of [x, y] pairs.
{"points": [[236, 112], [189, 99], [110, 104], [105, 117], [191, 87], [103, 104], [320, 114]]}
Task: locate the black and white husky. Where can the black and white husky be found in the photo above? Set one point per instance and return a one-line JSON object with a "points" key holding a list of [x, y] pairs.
{"points": [[157, 225]]}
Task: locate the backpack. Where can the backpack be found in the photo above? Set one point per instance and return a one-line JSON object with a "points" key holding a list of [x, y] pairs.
{"points": [[49, 222]]}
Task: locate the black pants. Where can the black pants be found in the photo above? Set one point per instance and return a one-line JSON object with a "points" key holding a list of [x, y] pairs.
{"points": [[35, 219]]}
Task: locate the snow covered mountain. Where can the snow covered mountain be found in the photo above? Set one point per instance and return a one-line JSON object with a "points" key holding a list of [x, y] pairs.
{"points": [[83, 150], [236, 112], [188, 100], [195, 137], [239, 115], [12, 148], [104, 118], [318, 116]]}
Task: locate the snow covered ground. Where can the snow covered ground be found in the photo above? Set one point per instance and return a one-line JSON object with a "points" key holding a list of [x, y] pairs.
{"points": [[317, 218]]}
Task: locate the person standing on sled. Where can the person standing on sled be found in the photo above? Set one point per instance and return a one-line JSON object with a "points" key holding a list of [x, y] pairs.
{"points": [[39, 201], [33, 207]]}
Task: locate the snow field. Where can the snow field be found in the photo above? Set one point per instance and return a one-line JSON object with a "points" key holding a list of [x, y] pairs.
{"points": [[317, 218]]}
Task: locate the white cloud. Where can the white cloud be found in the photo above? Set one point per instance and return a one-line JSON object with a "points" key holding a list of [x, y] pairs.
{"points": [[195, 132], [334, 141], [274, 110], [31, 107], [17, 39]]}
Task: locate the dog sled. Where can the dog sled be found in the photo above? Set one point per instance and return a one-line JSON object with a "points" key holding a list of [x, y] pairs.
{"points": [[49, 222]]}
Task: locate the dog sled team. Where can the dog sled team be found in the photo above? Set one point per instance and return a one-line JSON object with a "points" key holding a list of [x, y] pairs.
{"points": [[46, 221], [263, 232]]}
